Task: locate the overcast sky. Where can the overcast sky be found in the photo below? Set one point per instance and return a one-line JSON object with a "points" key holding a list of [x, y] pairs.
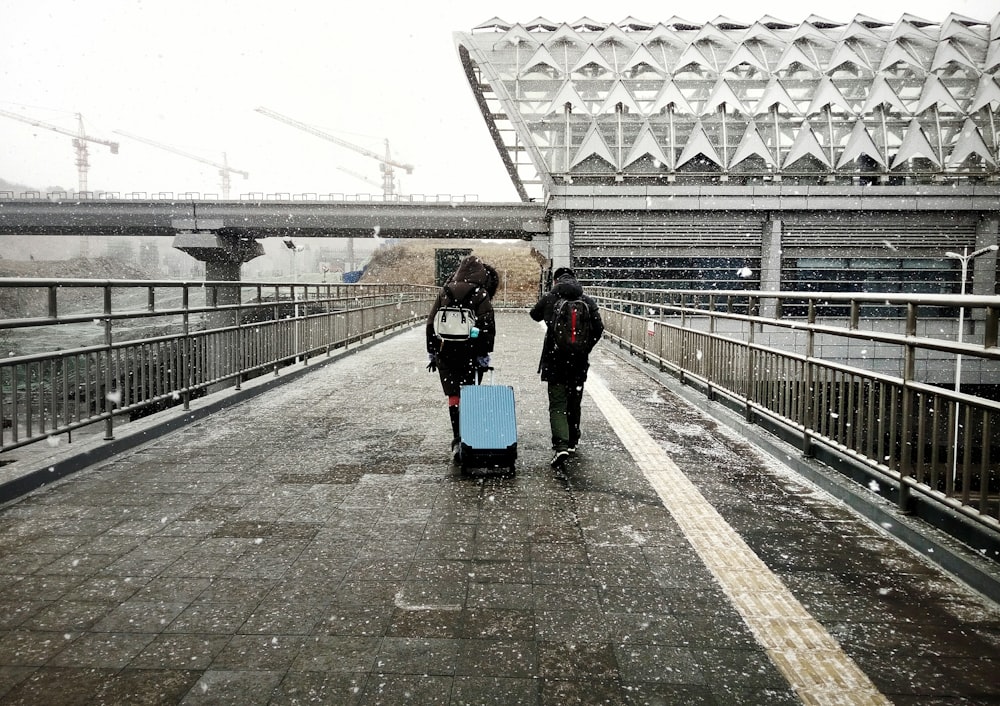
{"points": [[189, 73]]}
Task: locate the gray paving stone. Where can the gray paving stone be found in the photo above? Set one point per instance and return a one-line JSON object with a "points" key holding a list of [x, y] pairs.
{"points": [[316, 544]]}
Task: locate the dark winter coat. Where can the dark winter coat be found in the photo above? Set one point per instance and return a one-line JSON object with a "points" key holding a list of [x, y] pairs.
{"points": [[559, 366], [472, 286]]}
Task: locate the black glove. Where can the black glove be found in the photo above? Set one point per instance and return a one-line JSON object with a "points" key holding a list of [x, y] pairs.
{"points": [[432, 364]]}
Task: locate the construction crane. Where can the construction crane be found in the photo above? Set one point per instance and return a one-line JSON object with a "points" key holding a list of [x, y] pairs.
{"points": [[80, 140], [386, 162], [224, 169], [362, 177]]}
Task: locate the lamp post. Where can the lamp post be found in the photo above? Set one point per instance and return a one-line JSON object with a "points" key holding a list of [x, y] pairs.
{"points": [[965, 258]]}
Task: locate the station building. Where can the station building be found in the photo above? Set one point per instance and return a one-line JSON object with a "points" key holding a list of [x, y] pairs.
{"points": [[772, 155]]}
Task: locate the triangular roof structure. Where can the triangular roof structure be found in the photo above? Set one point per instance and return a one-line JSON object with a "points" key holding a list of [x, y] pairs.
{"points": [[956, 25], [619, 93], [896, 52], [857, 29], [670, 94], [987, 94], [585, 24], [915, 144], [827, 93], [694, 55], [646, 143], [910, 29], [794, 54], [969, 142], [844, 54], [759, 31], [775, 93], [870, 21], [698, 143], [806, 144], [744, 55], [618, 36], [774, 23], [723, 93], [881, 93], [662, 33], [948, 51], [992, 55], [565, 35], [640, 56], [592, 56], [724, 23], [631, 24], [860, 143], [822, 22], [494, 23], [751, 144], [917, 21], [711, 33], [680, 23], [540, 23], [516, 35], [567, 95], [936, 93], [541, 57], [593, 145]]}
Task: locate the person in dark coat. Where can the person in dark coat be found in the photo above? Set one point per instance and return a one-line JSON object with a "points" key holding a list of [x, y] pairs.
{"points": [[564, 371], [457, 363]]}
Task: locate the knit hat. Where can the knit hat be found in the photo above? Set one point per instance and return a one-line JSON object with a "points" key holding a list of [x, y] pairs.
{"points": [[563, 271]]}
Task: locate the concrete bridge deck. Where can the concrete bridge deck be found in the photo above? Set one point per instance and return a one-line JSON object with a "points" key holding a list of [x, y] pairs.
{"points": [[314, 544]]}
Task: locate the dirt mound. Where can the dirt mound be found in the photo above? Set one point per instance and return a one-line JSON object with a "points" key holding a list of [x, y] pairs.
{"points": [[413, 262]]}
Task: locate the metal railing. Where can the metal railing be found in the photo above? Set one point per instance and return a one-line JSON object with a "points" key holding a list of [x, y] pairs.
{"points": [[81, 352], [871, 377]]}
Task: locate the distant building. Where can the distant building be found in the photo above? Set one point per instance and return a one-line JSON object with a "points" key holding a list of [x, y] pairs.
{"points": [[828, 155]]}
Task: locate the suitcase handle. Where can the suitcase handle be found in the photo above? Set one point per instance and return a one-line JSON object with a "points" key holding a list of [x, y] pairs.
{"points": [[476, 376]]}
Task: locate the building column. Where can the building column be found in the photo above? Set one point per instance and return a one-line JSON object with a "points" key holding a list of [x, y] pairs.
{"points": [[770, 264], [560, 243], [984, 267]]}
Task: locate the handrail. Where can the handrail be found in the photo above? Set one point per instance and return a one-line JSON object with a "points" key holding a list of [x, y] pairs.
{"points": [[894, 408], [81, 352]]}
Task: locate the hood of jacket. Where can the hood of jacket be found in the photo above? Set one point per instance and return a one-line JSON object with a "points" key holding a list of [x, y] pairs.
{"points": [[568, 287], [470, 275]]}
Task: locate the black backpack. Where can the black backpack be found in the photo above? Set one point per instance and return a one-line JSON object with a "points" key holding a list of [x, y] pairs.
{"points": [[572, 329]]}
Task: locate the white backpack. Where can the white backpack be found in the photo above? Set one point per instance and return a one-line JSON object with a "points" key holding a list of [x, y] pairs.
{"points": [[454, 323]]}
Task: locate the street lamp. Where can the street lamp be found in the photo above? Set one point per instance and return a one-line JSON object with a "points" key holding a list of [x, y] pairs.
{"points": [[965, 258]]}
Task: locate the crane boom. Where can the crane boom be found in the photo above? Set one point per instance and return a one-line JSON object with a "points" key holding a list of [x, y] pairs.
{"points": [[224, 169], [80, 140], [387, 163], [356, 175]]}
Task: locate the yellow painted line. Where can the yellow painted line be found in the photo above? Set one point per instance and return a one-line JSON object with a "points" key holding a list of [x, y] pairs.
{"points": [[802, 650]]}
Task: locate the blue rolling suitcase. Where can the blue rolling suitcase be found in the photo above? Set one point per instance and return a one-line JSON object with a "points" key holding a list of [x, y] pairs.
{"points": [[487, 426]]}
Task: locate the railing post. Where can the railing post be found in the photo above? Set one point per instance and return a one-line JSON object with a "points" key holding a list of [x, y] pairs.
{"points": [[186, 347], [906, 445], [109, 426], [809, 411]]}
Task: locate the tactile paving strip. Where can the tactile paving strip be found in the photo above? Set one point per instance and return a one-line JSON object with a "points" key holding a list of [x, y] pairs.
{"points": [[802, 650]]}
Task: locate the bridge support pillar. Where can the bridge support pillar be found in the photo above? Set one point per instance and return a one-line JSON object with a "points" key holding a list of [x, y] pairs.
{"points": [[223, 256]]}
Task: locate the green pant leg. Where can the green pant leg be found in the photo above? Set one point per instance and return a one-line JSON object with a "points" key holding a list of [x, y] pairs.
{"points": [[558, 417]]}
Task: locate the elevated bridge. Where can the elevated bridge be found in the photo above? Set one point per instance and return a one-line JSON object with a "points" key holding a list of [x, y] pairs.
{"points": [[263, 218]]}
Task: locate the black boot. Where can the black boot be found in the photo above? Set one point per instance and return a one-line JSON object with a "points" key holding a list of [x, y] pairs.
{"points": [[456, 440]]}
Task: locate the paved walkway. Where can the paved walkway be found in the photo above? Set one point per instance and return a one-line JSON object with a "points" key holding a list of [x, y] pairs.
{"points": [[315, 545]]}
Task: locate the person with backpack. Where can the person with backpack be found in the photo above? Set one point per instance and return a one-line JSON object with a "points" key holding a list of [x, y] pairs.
{"points": [[460, 333], [573, 327]]}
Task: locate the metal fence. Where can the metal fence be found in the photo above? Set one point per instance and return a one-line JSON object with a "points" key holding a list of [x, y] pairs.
{"points": [[81, 352], [883, 381]]}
